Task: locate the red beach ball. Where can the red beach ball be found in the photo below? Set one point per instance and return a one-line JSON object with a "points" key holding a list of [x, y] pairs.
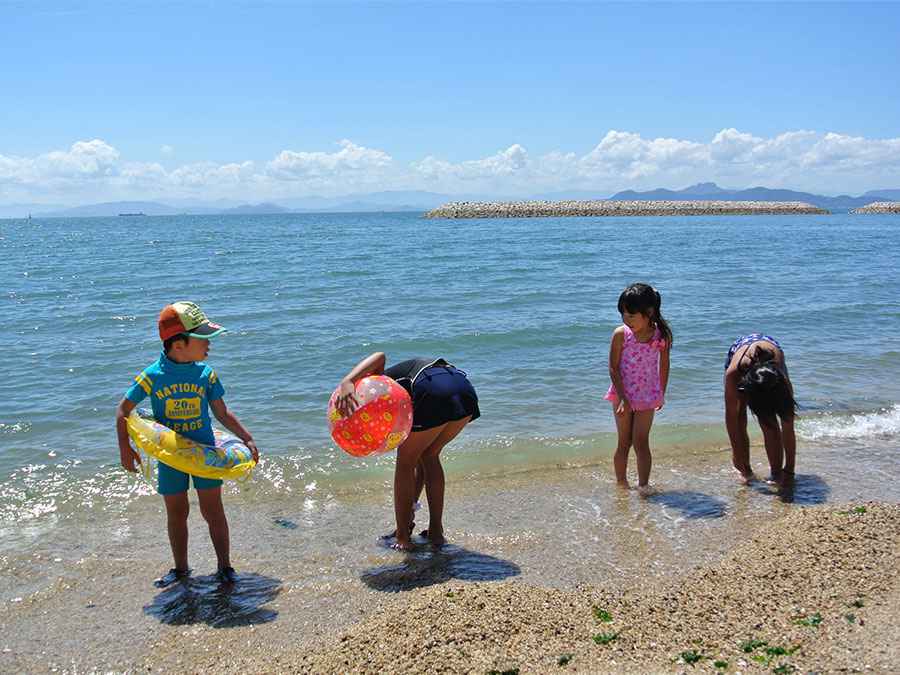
{"points": [[382, 421]]}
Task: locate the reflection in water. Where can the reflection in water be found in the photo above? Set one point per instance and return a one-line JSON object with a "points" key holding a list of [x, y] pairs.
{"points": [[426, 566], [220, 605], [690, 503]]}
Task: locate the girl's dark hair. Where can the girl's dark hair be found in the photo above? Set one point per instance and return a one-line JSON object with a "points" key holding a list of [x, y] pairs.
{"points": [[167, 344], [767, 390], [642, 298]]}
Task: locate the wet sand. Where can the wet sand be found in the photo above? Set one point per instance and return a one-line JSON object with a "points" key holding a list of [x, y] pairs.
{"points": [[538, 549]]}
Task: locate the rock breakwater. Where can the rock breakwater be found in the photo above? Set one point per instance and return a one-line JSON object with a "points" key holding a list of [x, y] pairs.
{"points": [[879, 207], [608, 207]]}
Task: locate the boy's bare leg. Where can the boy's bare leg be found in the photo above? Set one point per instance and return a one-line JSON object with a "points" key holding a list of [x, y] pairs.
{"points": [[643, 420], [214, 514], [620, 459], [434, 478], [177, 509]]}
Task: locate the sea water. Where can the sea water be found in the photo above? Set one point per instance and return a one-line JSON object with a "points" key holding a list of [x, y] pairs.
{"points": [[525, 306]]}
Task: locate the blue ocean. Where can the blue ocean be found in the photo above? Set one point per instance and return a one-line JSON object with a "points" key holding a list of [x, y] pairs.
{"points": [[525, 306]]}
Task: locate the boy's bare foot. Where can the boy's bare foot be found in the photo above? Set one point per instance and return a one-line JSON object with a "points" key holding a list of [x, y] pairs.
{"points": [[623, 484], [645, 490]]}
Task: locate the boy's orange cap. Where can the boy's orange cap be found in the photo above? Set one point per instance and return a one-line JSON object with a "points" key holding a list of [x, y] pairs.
{"points": [[186, 318]]}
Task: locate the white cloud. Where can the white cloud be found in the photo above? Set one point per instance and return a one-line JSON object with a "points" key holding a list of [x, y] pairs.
{"points": [[93, 170], [513, 160], [167, 149], [291, 165]]}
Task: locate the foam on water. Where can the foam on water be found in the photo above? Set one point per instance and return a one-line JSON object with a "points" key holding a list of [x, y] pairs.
{"points": [[881, 424]]}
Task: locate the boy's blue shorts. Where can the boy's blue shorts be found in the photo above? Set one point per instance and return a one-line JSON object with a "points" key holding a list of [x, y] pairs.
{"points": [[172, 481]]}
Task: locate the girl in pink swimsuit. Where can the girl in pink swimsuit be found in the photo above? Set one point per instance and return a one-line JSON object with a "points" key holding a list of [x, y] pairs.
{"points": [[639, 370]]}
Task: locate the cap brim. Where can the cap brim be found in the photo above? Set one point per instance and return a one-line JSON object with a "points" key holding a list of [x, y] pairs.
{"points": [[207, 330]]}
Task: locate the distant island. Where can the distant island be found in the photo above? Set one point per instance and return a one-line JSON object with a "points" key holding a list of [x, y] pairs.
{"points": [[609, 207], [128, 215]]}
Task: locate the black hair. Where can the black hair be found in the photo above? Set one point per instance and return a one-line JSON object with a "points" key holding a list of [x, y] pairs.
{"points": [[642, 298], [167, 344], [767, 390]]}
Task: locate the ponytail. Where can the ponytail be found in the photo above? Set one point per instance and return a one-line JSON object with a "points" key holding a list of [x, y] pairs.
{"points": [[645, 299], [660, 322]]}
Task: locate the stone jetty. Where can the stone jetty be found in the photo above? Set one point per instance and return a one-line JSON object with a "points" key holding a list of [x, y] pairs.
{"points": [[879, 207], [608, 207]]}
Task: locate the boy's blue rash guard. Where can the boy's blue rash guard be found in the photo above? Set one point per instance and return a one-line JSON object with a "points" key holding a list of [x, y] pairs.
{"points": [[180, 394]]}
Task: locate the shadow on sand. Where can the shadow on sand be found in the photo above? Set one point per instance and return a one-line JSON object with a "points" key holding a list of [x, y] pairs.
{"points": [[805, 488], [220, 605], [426, 566], [690, 503]]}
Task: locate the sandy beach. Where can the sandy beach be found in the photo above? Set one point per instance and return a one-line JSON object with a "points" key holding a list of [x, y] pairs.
{"points": [[815, 589]]}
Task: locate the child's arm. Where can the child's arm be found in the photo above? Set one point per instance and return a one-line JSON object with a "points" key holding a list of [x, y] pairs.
{"points": [[615, 357], [663, 374], [127, 455], [371, 365], [233, 424], [736, 423]]}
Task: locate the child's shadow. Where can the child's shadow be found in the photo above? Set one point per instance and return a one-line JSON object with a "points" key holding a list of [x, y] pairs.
{"points": [[806, 488], [690, 503], [426, 566], [220, 605]]}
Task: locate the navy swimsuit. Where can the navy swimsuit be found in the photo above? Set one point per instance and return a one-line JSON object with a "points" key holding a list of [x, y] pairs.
{"points": [[748, 340], [440, 392]]}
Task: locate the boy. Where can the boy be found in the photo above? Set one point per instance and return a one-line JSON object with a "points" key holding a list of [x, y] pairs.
{"points": [[182, 388]]}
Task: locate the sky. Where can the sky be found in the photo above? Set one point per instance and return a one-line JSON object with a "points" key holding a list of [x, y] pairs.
{"points": [[106, 101]]}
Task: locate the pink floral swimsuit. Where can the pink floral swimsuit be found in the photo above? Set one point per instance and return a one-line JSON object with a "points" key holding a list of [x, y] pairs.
{"points": [[639, 368]]}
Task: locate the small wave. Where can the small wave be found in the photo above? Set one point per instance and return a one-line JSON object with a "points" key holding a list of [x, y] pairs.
{"points": [[125, 317], [17, 428], [885, 422]]}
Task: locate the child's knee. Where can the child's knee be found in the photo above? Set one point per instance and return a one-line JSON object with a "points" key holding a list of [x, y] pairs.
{"points": [[211, 508]]}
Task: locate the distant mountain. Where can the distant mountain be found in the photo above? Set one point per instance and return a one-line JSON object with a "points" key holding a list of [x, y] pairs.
{"points": [[113, 209], [254, 209], [712, 192], [420, 200], [884, 195]]}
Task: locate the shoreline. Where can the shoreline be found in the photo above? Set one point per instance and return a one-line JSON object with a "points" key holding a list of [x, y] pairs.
{"points": [[538, 549], [541, 209]]}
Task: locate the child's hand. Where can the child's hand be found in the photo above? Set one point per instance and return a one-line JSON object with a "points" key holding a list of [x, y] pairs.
{"points": [[128, 457], [346, 402], [623, 408], [253, 449], [661, 404]]}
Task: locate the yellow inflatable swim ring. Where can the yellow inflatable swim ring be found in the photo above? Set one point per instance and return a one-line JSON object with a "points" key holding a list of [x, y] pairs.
{"points": [[228, 459]]}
